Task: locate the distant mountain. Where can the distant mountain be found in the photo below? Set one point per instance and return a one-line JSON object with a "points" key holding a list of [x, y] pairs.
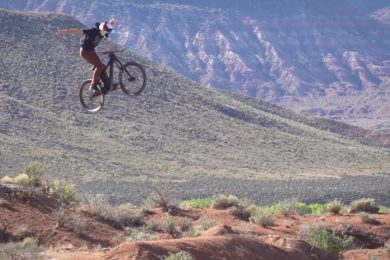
{"points": [[382, 15], [326, 58], [198, 141], [369, 6]]}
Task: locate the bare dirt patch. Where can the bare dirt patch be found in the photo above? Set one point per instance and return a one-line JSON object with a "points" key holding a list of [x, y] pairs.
{"points": [[213, 247]]}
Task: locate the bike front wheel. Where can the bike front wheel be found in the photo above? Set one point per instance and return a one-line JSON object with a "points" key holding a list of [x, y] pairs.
{"points": [[132, 78], [93, 102]]}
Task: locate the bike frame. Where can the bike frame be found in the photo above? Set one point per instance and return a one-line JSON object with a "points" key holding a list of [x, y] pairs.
{"points": [[110, 66], [87, 96]]}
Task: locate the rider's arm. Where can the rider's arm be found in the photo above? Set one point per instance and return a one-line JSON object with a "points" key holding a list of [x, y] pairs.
{"points": [[72, 31]]}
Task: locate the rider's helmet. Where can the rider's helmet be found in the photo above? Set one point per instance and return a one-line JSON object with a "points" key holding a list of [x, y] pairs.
{"points": [[105, 28]]}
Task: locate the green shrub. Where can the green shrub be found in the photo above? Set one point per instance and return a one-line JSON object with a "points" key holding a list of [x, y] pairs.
{"points": [[368, 219], [384, 209], [65, 192], [127, 206], [247, 203], [28, 249], [387, 245], [317, 209], [185, 224], [311, 209], [193, 231], [300, 208], [182, 255], [152, 226], [241, 212], [335, 206], [321, 237], [3, 233], [277, 209], [263, 216], [169, 225], [141, 234], [23, 232], [224, 202], [74, 223], [36, 171], [200, 203], [61, 217], [364, 205], [134, 219], [30, 244], [22, 179], [207, 223], [4, 202], [245, 230], [303, 209], [116, 217], [77, 225], [287, 207], [148, 204]]}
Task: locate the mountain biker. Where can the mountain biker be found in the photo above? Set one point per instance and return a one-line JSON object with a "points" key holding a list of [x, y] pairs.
{"points": [[91, 39]]}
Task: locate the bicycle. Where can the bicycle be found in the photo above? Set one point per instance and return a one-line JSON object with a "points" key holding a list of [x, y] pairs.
{"points": [[132, 81]]}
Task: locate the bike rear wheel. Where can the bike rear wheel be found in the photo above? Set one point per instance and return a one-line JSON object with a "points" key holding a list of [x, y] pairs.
{"points": [[93, 102], [132, 78]]}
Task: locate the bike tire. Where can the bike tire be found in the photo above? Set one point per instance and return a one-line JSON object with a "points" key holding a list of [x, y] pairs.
{"points": [[92, 102], [132, 78]]}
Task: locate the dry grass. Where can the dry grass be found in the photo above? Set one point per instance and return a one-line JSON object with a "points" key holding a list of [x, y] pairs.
{"points": [[364, 205], [7, 180]]}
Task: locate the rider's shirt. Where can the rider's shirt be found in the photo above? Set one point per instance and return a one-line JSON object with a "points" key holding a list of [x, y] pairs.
{"points": [[91, 39]]}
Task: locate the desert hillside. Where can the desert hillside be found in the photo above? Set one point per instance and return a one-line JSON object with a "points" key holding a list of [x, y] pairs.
{"points": [[327, 58], [191, 140], [180, 171]]}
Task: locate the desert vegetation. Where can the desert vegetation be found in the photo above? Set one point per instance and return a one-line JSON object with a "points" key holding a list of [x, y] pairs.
{"points": [[185, 219], [323, 238], [175, 131]]}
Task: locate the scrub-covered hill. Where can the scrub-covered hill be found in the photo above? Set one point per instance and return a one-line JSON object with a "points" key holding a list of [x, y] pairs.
{"points": [[175, 134]]}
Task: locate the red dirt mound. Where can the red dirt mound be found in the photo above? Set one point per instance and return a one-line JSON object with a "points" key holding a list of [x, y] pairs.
{"points": [[364, 254], [37, 216], [23, 217], [213, 247]]}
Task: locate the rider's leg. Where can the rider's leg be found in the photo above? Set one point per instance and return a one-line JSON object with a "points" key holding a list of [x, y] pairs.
{"points": [[92, 58], [97, 72]]}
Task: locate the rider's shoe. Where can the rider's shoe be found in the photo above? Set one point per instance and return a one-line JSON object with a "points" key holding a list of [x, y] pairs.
{"points": [[94, 89], [115, 86]]}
